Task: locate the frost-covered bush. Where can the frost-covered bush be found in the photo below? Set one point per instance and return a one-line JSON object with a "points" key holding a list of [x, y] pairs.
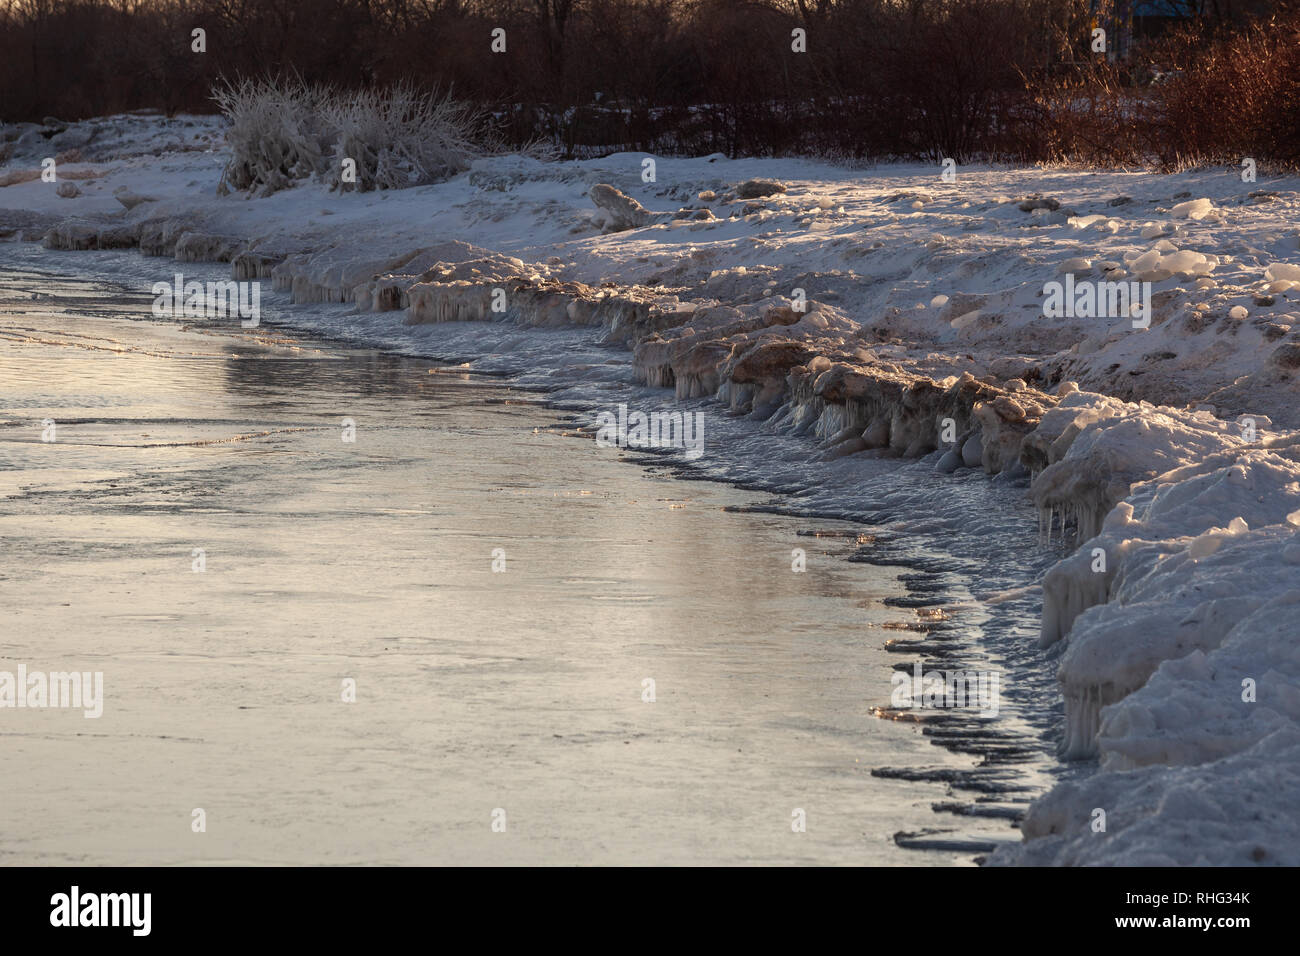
{"points": [[276, 133], [399, 137], [282, 131]]}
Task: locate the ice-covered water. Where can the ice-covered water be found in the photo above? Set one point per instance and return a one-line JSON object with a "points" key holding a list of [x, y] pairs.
{"points": [[372, 560]]}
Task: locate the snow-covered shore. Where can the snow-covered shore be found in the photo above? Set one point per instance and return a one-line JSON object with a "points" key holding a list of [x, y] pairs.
{"points": [[885, 313]]}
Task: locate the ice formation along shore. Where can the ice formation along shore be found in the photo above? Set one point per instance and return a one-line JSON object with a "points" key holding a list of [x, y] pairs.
{"points": [[886, 314]]}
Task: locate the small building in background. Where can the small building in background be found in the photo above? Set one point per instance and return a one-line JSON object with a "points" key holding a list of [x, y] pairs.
{"points": [[1127, 21]]}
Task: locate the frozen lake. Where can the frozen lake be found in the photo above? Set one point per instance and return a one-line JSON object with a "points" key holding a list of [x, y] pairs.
{"points": [[322, 561]]}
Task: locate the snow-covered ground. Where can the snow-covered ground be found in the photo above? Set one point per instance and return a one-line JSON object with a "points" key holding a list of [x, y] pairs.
{"points": [[884, 313]]}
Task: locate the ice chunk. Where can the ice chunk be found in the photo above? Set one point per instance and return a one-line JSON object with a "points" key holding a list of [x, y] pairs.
{"points": [[1192, 209], [1283, 270]]}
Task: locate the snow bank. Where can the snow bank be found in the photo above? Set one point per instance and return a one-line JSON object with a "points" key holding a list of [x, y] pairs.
{"points": [[1180, 646], [1237, 812]]}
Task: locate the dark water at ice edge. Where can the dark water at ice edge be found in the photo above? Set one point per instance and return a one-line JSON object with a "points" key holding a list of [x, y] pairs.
{"points": [[965, 546]]}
